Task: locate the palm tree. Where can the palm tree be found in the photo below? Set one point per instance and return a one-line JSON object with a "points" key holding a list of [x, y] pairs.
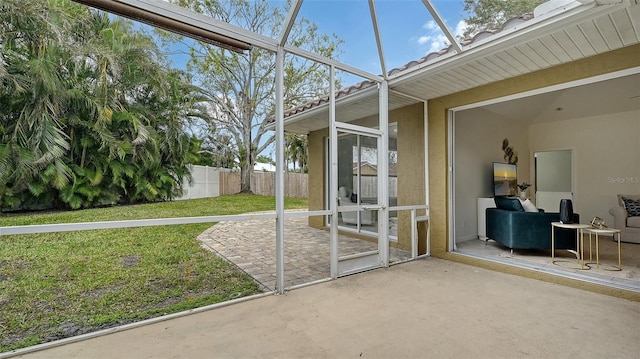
{"points": [[296, 149], [32, 95], [91, 114]]}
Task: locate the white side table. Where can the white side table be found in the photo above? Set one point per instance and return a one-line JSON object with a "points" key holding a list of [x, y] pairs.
{"points": [[615, 233], [579, 228]]}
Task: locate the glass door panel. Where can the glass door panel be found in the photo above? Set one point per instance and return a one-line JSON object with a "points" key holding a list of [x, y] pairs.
{"points": [[358, 181], [358, 199]]}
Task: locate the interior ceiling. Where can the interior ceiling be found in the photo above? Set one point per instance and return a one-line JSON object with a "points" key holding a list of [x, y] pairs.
{"points": [[611, 96]]}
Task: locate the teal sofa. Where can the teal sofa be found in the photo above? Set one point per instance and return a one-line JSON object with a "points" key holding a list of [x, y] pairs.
{"points": [[517, 229]]}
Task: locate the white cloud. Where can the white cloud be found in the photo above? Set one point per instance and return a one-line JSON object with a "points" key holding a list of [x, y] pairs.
{"points": [[438, 43], [461, 26], [430, 25], [434, 39], [424, 39]]}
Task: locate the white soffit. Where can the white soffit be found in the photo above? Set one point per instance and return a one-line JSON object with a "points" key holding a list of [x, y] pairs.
{"points": [[594, 31]]}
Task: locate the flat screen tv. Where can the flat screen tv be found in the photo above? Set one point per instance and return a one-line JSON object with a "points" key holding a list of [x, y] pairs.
{"points": [[505, 179]]}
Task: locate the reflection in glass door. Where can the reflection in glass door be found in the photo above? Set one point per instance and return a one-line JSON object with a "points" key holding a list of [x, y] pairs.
{"points": [[358, 181]]}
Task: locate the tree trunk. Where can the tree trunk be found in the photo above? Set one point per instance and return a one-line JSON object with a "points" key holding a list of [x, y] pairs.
{"points": [[246, 172]]}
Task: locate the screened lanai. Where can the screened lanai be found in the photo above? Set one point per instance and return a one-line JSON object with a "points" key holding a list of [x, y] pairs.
{"points": [[398, 144], [385, 134], [354, 128]]}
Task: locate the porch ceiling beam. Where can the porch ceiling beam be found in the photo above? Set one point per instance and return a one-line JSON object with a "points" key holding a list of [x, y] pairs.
{"points": [[376, 31], [184, 22], [443, 26]]}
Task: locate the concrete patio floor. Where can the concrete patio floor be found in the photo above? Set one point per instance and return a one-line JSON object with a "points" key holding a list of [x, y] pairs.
{"points": [[425, 308]]}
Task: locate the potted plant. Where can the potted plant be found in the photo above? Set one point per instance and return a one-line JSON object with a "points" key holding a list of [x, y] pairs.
{"points": [[523, 189]]}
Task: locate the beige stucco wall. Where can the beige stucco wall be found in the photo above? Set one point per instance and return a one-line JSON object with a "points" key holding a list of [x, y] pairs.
{"points": [[410, 171], [617, 60]]}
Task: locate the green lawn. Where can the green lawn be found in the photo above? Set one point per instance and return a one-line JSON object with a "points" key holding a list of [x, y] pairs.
{"points": [[58, 285]]}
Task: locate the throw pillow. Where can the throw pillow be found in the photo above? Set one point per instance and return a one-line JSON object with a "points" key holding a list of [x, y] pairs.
{"points": [[528, 205], [508, 203], [632, 206]]}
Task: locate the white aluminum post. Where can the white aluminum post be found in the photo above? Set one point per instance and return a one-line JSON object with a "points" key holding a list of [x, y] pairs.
{"points": [[383, 173], [414, 234], [376, 31], [280, 168], [333, 202], [426, 174]]}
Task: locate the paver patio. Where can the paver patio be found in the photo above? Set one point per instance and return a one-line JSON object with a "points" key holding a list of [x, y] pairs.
{"points": [[251, 246]]}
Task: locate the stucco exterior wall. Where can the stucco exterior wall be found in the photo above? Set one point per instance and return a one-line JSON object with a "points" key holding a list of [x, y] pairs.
{"points": [[624, 58]]}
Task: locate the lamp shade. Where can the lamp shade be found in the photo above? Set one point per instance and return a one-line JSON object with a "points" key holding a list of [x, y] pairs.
{"points": [[566, 211]]}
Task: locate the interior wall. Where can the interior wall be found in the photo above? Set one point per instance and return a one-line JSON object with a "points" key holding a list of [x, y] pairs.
{"points": [[606, 158], [478, 143]]}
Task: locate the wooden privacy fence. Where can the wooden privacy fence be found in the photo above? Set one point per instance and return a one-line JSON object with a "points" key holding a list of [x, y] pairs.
{"points": [[264, 184], [213, 182]]}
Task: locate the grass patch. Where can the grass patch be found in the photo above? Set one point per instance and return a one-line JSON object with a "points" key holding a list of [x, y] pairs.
{"points": [[57, 285]]}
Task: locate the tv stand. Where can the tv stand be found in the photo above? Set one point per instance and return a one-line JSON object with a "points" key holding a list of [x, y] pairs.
{"points": [[483, 204]]}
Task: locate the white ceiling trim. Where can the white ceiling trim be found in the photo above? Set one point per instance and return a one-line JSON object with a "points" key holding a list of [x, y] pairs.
{"points": [[562, 86]]}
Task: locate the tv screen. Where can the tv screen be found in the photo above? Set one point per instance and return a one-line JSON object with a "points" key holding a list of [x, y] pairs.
{"points": [[505, 179]]}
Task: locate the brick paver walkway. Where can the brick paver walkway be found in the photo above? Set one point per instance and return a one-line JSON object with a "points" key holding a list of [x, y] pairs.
{"points": [[251, 246]]}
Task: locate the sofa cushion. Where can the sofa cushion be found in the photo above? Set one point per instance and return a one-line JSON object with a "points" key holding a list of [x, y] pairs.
{"points": [[508, 203], [635, 197], [528, 205], [633, 222], [632, 206]]}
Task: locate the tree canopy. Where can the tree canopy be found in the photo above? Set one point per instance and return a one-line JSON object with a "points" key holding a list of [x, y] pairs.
{"points": [[91, 113], [241, 87], [491, 14]]}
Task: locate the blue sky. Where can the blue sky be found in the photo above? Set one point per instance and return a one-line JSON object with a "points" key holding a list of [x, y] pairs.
{"points": [[407, 30]]}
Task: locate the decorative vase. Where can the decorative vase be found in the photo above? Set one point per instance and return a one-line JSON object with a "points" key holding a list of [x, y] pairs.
{"points": [[566, 211], [523, 194]]}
